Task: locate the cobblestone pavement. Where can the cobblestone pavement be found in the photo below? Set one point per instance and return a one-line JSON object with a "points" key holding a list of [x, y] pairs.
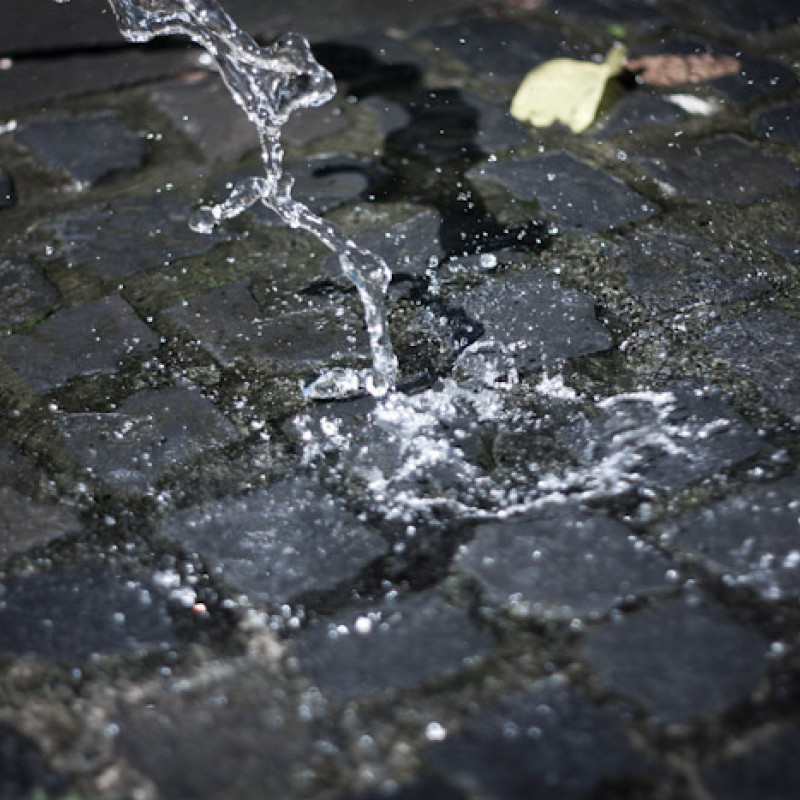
{"points": [[562, 561]]}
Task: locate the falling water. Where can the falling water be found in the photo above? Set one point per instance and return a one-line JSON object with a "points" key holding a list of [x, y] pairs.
{"points": [[269, 83]]}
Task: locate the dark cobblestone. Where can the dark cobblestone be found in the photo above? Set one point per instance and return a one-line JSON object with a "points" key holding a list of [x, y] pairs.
{"points": [[560, 560]]}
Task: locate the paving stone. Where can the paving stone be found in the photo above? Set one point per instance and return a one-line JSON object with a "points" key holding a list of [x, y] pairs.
{"points": [[723, 168], [756, 79], [550, 743], [781, 123], [129, 235], [203, 109], [521, 563], [631, 13], [37, 82], [93, 338], [662, 440], [228, 323], [753, 17], [497, 49], [411, 247], [23, 770], [7, 194], [26, 523], [322, 182], [673, 272], [763, 346], [766, 770], [24, 291], [278, 544], [574, 194], [637, 111], [88, 147], [223, 735], [680, 660], [394, 645], [750, 537], [535, 318], [72, 613], [148, 435]]}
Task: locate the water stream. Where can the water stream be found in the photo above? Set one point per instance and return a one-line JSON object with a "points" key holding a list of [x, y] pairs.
{"points": [[269, 83]]}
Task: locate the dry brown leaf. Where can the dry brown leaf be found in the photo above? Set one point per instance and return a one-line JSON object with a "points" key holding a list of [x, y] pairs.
{"points": [[675, 70]]}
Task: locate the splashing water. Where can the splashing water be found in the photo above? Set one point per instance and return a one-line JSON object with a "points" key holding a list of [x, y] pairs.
{"points": [[269, 83]]}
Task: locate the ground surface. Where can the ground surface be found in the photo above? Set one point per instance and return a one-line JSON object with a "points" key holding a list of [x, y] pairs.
{"points": [[562, 561]]}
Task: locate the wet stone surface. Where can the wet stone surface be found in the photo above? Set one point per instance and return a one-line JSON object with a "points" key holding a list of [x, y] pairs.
{"points": [[278, 544], [723, 168], [7, 196], [230, 325], [88, 148], [394, 645], [683, 658], [24, 291], [559, 561], [76, 612], [550, 742], [145, 436], [573, 194], [130, 235], [520, 563], [781, 123], [762, 345], [750, 539], [674, 272], [537, 320], [93, 338]]}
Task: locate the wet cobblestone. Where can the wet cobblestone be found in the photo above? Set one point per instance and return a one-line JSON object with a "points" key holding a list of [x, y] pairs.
{"points": [[561, 561]]}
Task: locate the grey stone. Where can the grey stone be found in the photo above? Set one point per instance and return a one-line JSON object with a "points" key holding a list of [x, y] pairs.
{"points": [[278, 544], [24, 291], [767, 769], [764, 346], [204, 110], [750, 538], [522, 563], [7, 194], [756, 78], [89, 147], [781, 123], [38, 82], [394, 645], [229, 324], [535, 318], [26, 523], [307, 125], [753, 17], [93, 338], [72, 613], [498, 49], [129, 235], [322, 182], [222, 734], [636, 111], [674, 272], [23, 770], [723, 168], [637, 14], [550, 743], [662, 440], [680, 660], [148, 435], [427, 788], [411, 247], [786, 241], [568, 191], [496, 130]]}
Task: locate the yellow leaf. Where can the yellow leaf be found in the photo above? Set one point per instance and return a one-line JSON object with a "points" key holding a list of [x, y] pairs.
{"points": [[566, 91]]}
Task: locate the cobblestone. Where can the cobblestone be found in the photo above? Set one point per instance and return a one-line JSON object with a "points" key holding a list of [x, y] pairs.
{"points": [[559, 561]]}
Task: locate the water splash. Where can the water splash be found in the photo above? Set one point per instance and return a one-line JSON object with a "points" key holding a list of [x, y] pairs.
{"points": [[269, 83]]}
